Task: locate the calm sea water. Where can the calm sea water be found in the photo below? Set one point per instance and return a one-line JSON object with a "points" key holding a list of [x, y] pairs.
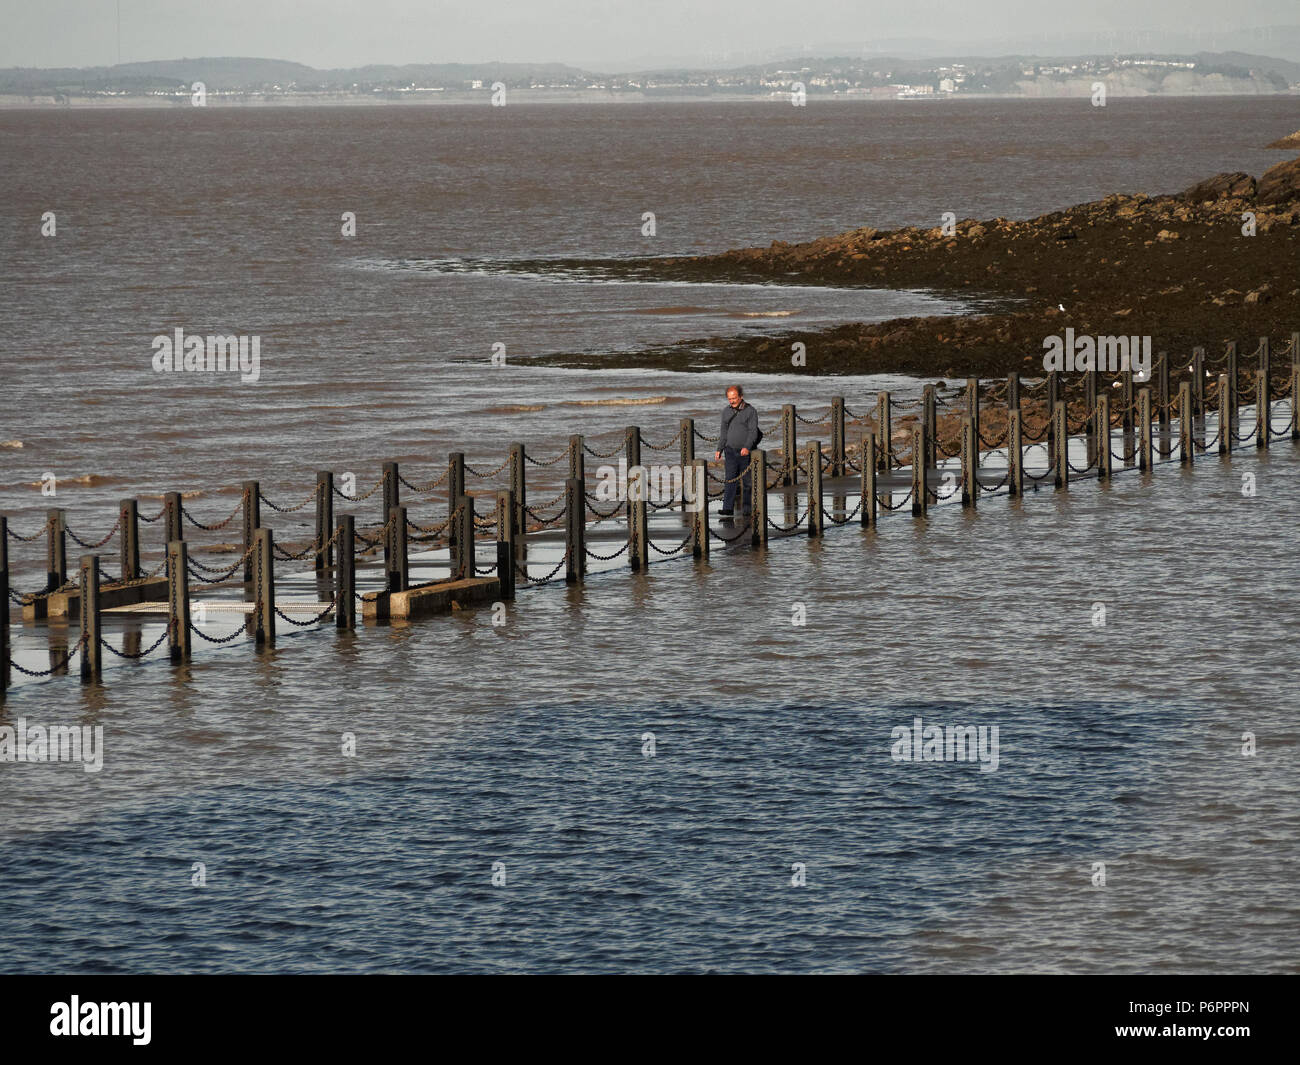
{"points": [[525, 744]]}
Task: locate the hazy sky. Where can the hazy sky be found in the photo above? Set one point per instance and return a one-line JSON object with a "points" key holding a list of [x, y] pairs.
{"points": [[602, 34]]}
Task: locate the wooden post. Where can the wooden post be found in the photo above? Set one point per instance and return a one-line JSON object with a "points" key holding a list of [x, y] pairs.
{"points": [[91, 660], [837, 436], [178, 601], [324, 520], [758, 515], [578, 458], [1164, 414], [1232, 389], [1128, 419], [506, 537], [1060, 445], [1225, 415], [575, 531], [1295, 403], [884, 433], [345, 609], [1197, 373], [252, 507], [687, 447], [128, 539], [1144, 429], [920, 473], [396, 570], [970, 489], [816, 500], [173, 524], [1102, 432], [1265, 357], [1263, 411], [464, 557], [789, 445], [638, 525], [700, 497], [973, 407], [1053, 397], [868, 488], [1013, 391], [632, 446], [930, 420], [264, 590], [56, 550], [1015, 453], [1090, 379], [1186, 424], [391, 493], [455, 489], [518, 481], [4, 606]]}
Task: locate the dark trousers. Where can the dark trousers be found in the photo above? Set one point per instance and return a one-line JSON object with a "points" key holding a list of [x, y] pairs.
{"points": [[736, 464]]}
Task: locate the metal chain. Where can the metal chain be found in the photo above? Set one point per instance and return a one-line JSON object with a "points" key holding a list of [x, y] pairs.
{"points": [[358, 499], [549, 462], [287, 510], [216, 639], [424, 489], [53, 669], [35, 536], [313, 621], [138, 655], [220, 524], [90, 547], [486, 473], [606, 558]]}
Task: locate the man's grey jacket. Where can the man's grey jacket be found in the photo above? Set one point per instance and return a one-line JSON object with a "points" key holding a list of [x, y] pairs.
{"points": [[739, 428]]}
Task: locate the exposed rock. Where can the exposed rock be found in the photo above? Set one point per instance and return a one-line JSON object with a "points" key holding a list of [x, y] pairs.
{"points": [[1166, 235], [1280, 183], [1291, 140], [1234, 186]]}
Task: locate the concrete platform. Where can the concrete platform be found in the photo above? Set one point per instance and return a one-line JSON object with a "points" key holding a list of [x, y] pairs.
{"points": [[430, 599], [68, 604]]}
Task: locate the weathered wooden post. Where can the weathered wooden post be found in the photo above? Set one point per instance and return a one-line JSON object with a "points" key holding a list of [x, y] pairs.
{"points": [[1232, 390], [345, 608], [128, 539], [1186, 425], [173, 524], [575, 531], [1128, 418], [252, 508], [1015, 453], [1295, 402], [884, 432], [56, 549], [789, 445], [518, 466], [700, 504], [1053, 398], [837, 436], [973, 407], [264, 589], [324, 520], [1102, 431], [1197, 373], [578, 458], [1263, 411], [1225, 415], [391, 491], [1144, 429], [1090, 381], [632, 447], [638, 524], [396, 570], [1164, 414], [816, 499], [930, 420], [455, 489], [506, 537], [178, 601], [4, 606], [91, 660], [463, 567], [868, 488], [1013, 391], [970, 488], [1060, 445], [758, 514], [1265, 357], [506, 568], [920, 473], [687, 454]]}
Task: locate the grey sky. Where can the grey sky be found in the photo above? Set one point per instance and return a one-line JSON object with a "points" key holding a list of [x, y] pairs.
{"points": [[600, 34]]}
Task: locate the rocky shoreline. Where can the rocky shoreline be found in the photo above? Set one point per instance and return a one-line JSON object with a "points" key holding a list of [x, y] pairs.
{"points": [[1181, 268]]}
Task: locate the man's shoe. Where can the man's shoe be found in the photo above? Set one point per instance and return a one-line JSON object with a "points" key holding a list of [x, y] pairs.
{"points": [[726, 513]]}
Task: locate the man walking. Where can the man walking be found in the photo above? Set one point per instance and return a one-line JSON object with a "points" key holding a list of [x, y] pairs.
{"points": [[740, 435]]}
